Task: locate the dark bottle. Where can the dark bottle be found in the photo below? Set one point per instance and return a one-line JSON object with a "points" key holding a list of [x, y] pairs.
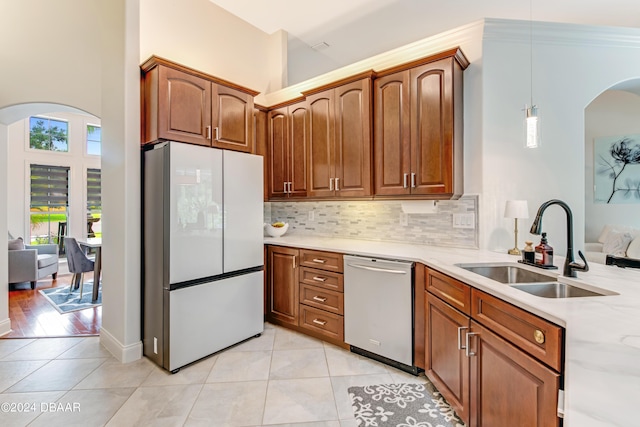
{"points": [[528, 254], [544, 252]]}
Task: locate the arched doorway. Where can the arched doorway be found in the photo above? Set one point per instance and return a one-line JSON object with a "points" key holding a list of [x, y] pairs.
{"points": [[611, 117], [60, 145]]}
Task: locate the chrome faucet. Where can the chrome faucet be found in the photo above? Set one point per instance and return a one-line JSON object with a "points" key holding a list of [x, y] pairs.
{"points": [[570, 267]]}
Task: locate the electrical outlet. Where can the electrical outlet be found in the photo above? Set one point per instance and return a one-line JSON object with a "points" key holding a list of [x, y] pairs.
{"points": [[404, 219], [464, 220], [312, 215], [155, 345]]}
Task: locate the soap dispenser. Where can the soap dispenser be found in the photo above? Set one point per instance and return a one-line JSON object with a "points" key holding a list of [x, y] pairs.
{"points": [[544, 253]]}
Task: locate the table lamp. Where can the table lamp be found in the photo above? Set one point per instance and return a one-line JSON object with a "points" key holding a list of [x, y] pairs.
{"points": [[516, 209]]}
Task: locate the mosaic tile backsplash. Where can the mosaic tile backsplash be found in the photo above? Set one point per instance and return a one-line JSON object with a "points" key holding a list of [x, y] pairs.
{"points": [[379, 220]]}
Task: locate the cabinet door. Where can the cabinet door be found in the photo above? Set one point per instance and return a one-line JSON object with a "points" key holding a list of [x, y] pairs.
{"points": [[320, 156], [392, 134], [184, 107], [446, 364], [278, 152], [232, 119], [432, 127], [260, 140], [283, 284], [352, 147], [299, 140], [508, 387]]}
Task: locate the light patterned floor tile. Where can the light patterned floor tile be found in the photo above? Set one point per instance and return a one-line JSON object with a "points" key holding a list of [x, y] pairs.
{"points": [[303, 363], [229, 404], [315, 424], [113, 374], [8, 346], [13, 371], [89, 347], [84, 408], [57, 375], [157, 406], [342, 362], [195, 373], [25, 407], [241, 366], [299, 400], [44, 349], [290, 340]]}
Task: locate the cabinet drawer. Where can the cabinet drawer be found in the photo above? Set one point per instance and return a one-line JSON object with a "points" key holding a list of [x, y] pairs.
{"points": [[536, 336], [322, 298], [452, 291], [322, 322], [324, 279], [324, 260]]}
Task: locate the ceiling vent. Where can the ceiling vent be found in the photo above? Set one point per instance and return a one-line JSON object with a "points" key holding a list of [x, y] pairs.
{"points": [[320, 46]]}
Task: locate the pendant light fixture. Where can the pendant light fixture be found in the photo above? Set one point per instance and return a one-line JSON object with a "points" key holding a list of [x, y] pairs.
{"points": [[531, 120]]}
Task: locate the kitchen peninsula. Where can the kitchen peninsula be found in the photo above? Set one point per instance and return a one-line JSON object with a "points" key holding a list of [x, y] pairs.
{"points": [[602, 335]]}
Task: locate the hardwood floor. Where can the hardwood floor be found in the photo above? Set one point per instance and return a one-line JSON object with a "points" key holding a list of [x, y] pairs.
{"points": [[32, 316]]}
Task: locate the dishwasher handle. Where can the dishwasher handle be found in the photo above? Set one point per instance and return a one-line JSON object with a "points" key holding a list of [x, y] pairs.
{"points": [[381, 270]]}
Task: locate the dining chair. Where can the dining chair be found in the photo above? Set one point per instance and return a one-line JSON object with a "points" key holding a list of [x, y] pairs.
{"points": [[78, 263]]}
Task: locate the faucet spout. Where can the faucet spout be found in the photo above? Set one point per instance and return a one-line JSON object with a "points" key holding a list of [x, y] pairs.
{"points": [[570, 267]]}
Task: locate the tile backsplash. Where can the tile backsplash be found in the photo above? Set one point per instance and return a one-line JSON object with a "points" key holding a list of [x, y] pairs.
{"points": [[381, 220]]}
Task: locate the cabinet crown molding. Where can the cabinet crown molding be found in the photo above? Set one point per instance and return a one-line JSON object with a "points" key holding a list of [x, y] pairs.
{"points": [[364, 75], [455, 52], [154, 61]]}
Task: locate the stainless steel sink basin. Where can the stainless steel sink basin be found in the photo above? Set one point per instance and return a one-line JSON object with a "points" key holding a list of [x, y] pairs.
{"points": [[507, 273], [558, 290]]}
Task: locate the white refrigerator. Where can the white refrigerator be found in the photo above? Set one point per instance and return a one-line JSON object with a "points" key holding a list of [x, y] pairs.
{"points": [[202, 251]]}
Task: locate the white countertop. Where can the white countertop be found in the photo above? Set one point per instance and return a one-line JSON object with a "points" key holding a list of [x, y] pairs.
{"points": [[602, 348]]}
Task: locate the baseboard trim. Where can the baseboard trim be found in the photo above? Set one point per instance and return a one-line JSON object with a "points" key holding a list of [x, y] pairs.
{"points": [[5, 327], [124, 353]]}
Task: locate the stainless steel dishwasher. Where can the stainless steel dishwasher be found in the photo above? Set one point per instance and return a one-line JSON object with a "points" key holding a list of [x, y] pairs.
{"points": [[378, 310]]}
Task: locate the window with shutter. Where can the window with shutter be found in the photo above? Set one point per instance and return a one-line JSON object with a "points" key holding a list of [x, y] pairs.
{"points": [[49, 202]]}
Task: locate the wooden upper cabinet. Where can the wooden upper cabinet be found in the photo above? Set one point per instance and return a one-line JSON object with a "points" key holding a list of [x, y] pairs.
{"points": [[186, 105], [392, 134], [418, 127], [288, 135], [339, 156], [260, 142], [177, 107], [232, 112]]}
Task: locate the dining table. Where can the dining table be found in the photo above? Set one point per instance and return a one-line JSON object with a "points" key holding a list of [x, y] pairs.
{"points": [[94, 243]]}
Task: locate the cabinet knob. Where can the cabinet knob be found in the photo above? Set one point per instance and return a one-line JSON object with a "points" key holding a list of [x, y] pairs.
{"points": [[538, 335]]}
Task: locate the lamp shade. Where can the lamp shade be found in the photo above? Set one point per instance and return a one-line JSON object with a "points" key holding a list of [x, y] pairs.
{"points": [[516, 209]]}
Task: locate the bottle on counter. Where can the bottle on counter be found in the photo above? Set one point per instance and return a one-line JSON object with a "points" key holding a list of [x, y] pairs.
{"points": [[528, 253], [544, 253]]}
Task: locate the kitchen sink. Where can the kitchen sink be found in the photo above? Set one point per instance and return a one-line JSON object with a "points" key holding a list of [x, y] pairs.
{"points": [[506, 273], [559, 290]]}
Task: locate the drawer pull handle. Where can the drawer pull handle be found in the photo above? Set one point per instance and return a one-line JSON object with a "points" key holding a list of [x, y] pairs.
{"points": [[460, 329], [319, 299], [320, 322], [538, 335], [319, 279], [318, 260], [467, 350]]}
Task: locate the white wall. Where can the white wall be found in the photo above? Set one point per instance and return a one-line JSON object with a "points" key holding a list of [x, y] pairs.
{"points": [[612, 113], [202, 35], [5, 323], [76, 159], [572, 64]]}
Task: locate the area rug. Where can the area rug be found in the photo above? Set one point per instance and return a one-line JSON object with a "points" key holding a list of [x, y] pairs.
{"points": [[401, 405], [65, 301]]}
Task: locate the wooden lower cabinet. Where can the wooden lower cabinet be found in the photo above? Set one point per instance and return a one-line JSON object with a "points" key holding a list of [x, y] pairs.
{"points": [[446, 363], [282, 284], [509, 387], [491, 378]]}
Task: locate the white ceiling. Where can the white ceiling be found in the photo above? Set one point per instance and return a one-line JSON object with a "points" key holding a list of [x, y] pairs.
{"points": [[313, 21], [358, 29]]}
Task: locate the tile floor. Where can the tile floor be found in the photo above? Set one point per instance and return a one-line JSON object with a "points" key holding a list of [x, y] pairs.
{"points": [[280, 379]]}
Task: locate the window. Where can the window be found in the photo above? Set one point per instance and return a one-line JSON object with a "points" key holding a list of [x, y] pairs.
{"points": [[48, 134], [94, 140], [49, 203], [94, 203]]}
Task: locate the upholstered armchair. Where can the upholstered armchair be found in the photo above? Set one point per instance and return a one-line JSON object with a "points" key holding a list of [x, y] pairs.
{"points": [[30, 263]]}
